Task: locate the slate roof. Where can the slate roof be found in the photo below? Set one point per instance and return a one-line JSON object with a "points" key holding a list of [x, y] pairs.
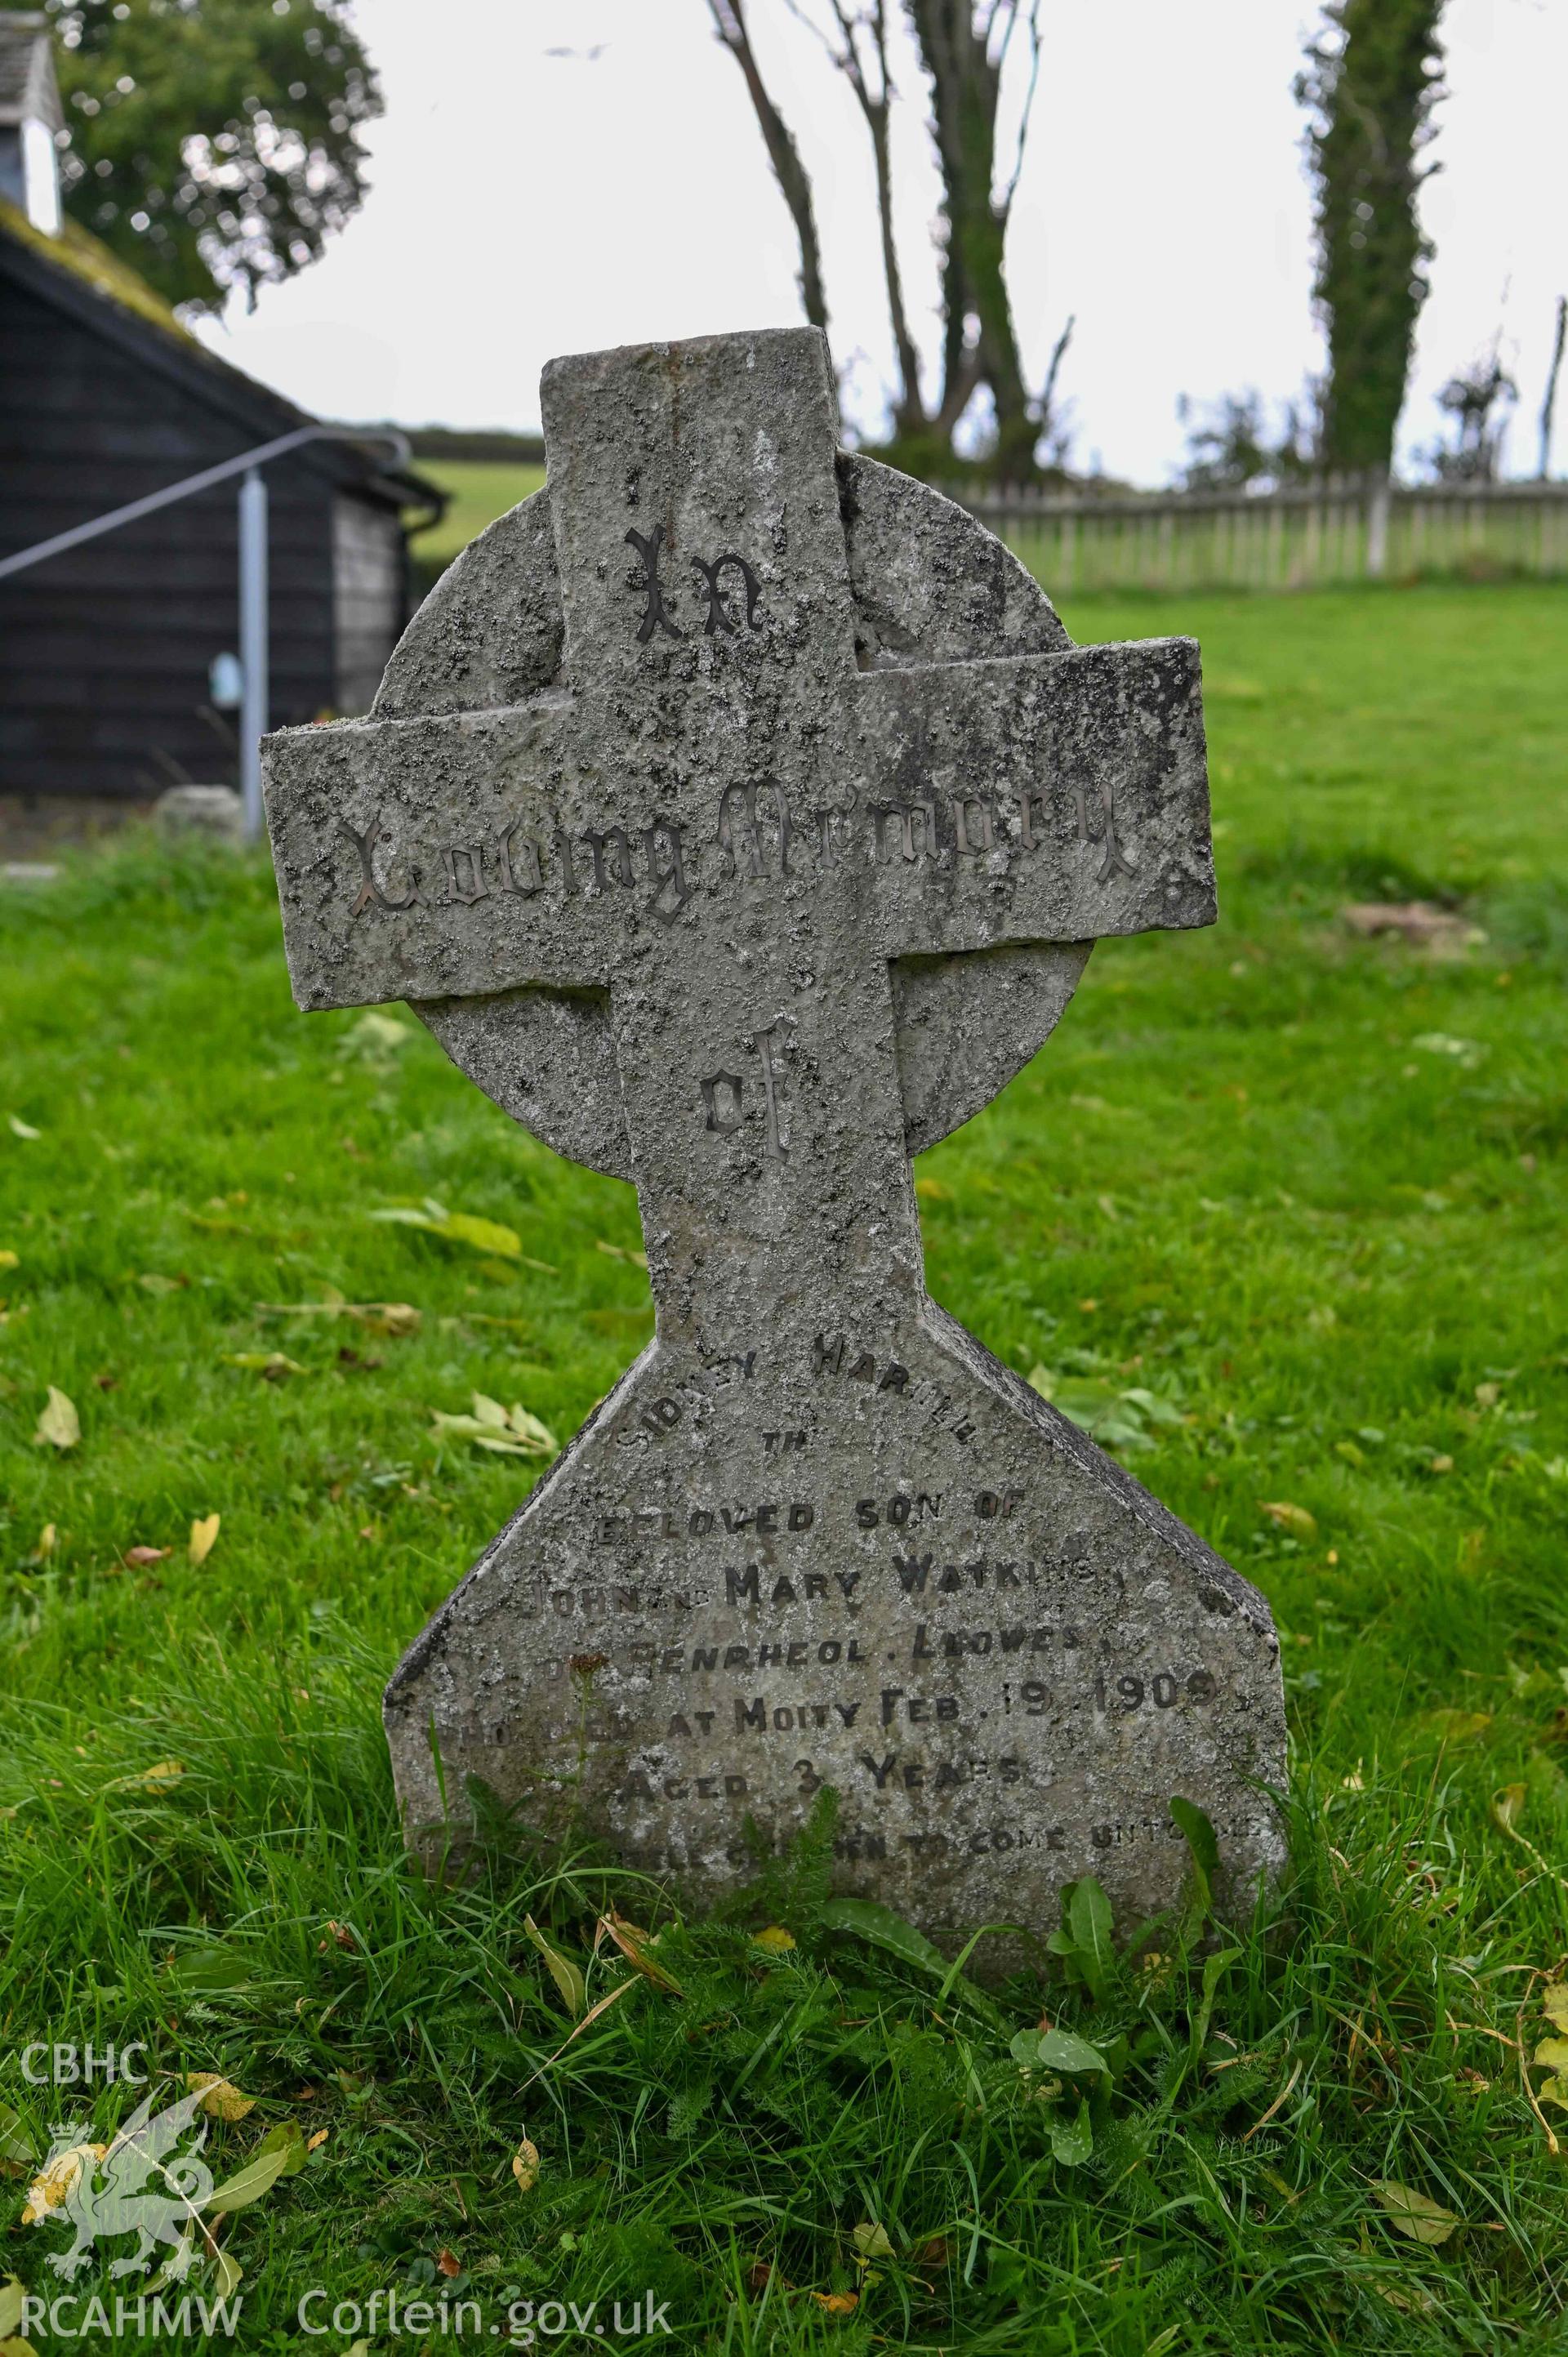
{"points": [[27, 85]]}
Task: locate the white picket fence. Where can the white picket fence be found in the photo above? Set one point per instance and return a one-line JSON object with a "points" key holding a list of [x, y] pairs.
{"points": [[1318, 535]]}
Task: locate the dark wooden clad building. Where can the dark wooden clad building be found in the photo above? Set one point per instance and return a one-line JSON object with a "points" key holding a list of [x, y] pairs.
{"points": [[105, 651]]}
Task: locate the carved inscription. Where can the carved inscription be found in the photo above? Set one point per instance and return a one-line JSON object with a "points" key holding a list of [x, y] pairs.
{"points": [[658, 612], [757, 837], [723, 1098], [938, 1647]]}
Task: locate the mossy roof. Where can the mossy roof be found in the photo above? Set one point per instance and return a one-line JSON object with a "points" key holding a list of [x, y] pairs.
{"points": [[87, 258]]}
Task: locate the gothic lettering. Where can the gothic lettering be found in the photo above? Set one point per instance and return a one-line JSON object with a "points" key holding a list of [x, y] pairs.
{"points": [[657, 615]]}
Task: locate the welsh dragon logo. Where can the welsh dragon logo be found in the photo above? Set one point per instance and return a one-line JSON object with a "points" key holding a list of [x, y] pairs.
{"points": [[138, 2184]]}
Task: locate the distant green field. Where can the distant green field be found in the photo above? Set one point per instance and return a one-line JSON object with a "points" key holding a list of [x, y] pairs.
{"points": [[1303, 1190], [480, 493]]}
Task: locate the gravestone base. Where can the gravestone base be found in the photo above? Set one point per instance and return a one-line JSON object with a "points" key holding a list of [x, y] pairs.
{"points": [[871, 1559]]}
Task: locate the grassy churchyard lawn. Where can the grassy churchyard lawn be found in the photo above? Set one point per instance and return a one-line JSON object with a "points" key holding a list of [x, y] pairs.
{"points": [[1278, 1211], [479, 493]]}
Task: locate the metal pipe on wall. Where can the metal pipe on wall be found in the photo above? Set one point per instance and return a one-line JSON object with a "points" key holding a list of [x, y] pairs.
{"points": [[254, 658]]}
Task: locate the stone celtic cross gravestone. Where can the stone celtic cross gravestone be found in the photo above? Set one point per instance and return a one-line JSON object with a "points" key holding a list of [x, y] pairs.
{"points": [[740, 816]]}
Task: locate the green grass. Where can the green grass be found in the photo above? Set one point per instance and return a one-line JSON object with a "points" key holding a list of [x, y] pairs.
{"points": [[480, 493], [1311, 1189]]}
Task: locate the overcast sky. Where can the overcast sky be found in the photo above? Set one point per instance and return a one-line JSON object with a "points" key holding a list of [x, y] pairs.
{"points": [[524, 203]]}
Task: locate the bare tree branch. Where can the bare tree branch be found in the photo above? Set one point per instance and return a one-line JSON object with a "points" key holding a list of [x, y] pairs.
{"points": [[1549, 405], [794, 182], [1012, 188], [1048, 391], [875, 104]]}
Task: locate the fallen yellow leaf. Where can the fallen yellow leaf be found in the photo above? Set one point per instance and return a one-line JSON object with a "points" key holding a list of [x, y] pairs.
{"points": [[314, 2144], [1552, 2054], [59, 1426], [218, 2096], [390, 1318], [1554, 2003], [203, 1537], [634, 1945], [775, 1940], [50, 2188], [1293, 1518], [525, 2166], [49, 1539], [1456, 1726], [1412, 2213], [837, 2303]]}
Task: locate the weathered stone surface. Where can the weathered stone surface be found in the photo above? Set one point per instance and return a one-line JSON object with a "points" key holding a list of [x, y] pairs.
{"points": [[201, 810], [740, 820]]}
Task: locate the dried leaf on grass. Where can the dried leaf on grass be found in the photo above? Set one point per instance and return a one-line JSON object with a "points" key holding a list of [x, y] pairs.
{"points": [[156, 1779], [1286, 1517], [507, 1432], [218, 2096], [59, 1425], [1412, 2213], [203, 1537], [837, 2303], [525, 2166], [634, 1945], [454, 1227], [52, 2186], [273, 1365], [1422, 923], [393, 1319]]}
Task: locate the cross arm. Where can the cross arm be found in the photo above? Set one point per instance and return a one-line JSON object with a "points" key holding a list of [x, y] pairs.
{"points": [[1038, 798], [389, 836]]}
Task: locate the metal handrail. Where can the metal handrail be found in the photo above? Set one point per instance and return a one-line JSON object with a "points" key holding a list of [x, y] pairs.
{"points": [[254, 652], [188, 486]]}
